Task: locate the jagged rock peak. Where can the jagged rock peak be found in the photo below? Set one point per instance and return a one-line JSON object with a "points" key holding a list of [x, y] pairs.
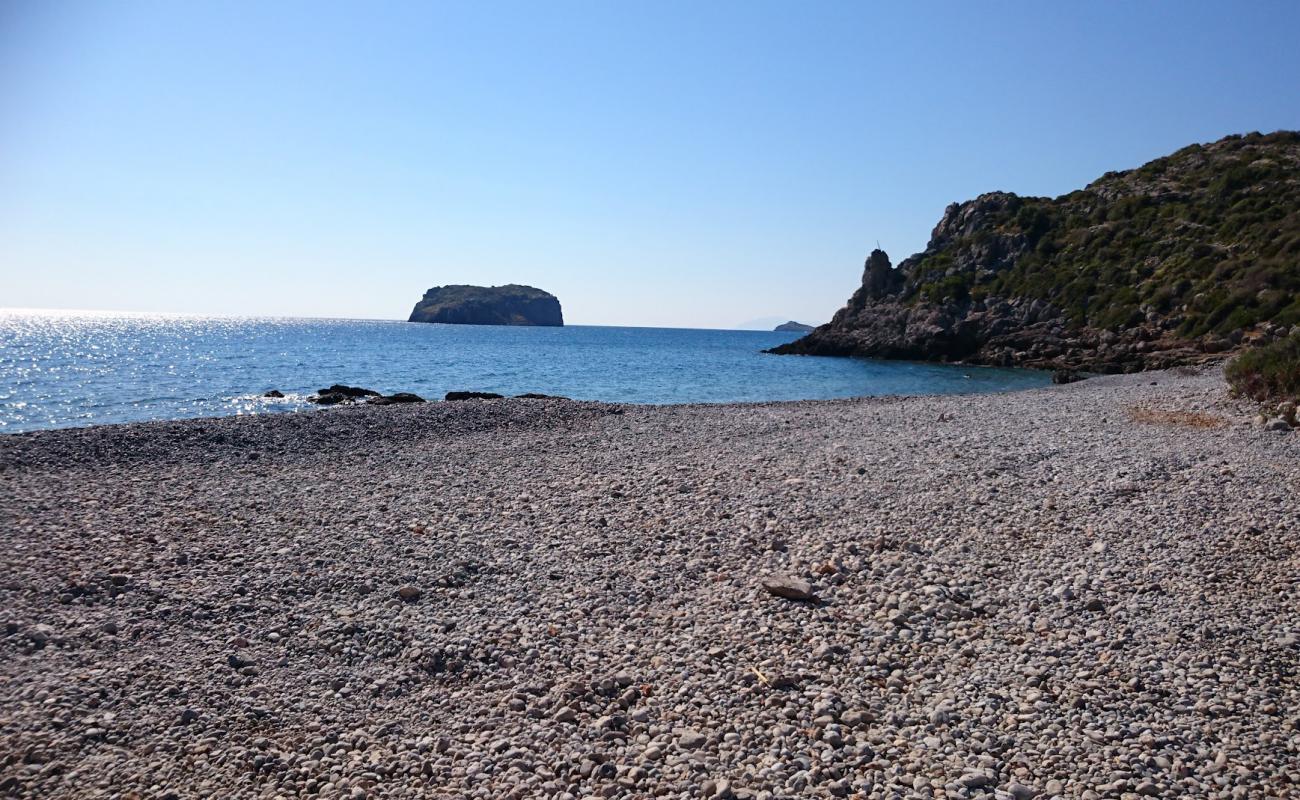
{"points": [[879, 278]]}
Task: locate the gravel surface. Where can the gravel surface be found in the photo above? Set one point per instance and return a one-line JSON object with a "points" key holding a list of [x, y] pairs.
{"points": [[1089, 590]]}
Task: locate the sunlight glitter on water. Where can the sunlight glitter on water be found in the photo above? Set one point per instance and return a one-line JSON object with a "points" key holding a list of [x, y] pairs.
{"points": [[76, 368]]}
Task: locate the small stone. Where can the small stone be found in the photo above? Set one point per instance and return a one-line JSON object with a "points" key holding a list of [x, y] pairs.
{"points": [[1095, 604], [789, 588], [688, 739], [1287, 411], [409, 594], [189, 715], [853, 719], [1019, 791], [565, 714], [608, 722]]}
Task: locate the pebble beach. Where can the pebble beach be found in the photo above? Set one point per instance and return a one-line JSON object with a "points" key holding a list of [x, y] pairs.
{"points": [[1081, 591]]}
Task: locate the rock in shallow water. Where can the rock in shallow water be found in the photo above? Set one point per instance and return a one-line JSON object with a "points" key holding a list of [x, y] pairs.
{"points": [[328, 399], [348, 391]]}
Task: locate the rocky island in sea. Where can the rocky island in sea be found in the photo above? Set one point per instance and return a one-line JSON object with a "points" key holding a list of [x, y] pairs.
{"points": [[488, 305], [793, 327], [1179, 261]]}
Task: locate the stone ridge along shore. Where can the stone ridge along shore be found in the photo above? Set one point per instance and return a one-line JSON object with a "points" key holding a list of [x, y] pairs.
{"points": [[1081, 591]]}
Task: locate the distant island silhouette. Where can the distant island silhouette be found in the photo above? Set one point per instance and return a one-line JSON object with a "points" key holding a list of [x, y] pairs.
{"points": [[797, 327]]}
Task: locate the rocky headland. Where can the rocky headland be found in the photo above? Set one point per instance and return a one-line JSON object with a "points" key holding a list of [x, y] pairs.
{"points": [[488, 305], [1082, 591], [792, 326], [1181, 260]]}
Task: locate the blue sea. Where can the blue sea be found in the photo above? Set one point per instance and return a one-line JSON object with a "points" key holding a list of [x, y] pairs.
{"points": [[62, 369]]}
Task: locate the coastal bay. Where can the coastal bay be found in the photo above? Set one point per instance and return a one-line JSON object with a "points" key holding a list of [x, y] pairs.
{"points": [[1084, 590]]}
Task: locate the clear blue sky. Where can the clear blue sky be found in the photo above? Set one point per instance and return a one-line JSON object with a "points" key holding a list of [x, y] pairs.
{"points": [[651, 163]]}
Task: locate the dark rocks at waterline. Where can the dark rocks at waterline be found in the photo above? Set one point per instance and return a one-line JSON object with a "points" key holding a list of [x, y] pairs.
{"points": [[340, 394], [473, 396], [453, 396], [274, 394], [1062, 376], [393, 399], [348, 391]]}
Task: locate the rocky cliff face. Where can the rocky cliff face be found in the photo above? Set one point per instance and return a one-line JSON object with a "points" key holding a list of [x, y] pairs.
{"points": [[488, 305], [1188, 256]]}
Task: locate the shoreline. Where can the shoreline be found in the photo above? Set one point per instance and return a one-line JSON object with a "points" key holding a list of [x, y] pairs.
{"points": [[1084, 590], [308, 407]]}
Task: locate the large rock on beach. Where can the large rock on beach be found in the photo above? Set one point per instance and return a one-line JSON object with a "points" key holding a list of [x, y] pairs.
{"points": [[788, 587]]}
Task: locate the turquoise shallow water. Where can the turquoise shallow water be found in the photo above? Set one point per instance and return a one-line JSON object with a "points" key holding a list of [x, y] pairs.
{"points": [[65, 369]]}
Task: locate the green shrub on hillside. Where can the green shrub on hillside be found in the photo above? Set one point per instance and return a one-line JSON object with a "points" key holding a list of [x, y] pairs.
{"points": [[1207, 238], [1267, 373]]}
